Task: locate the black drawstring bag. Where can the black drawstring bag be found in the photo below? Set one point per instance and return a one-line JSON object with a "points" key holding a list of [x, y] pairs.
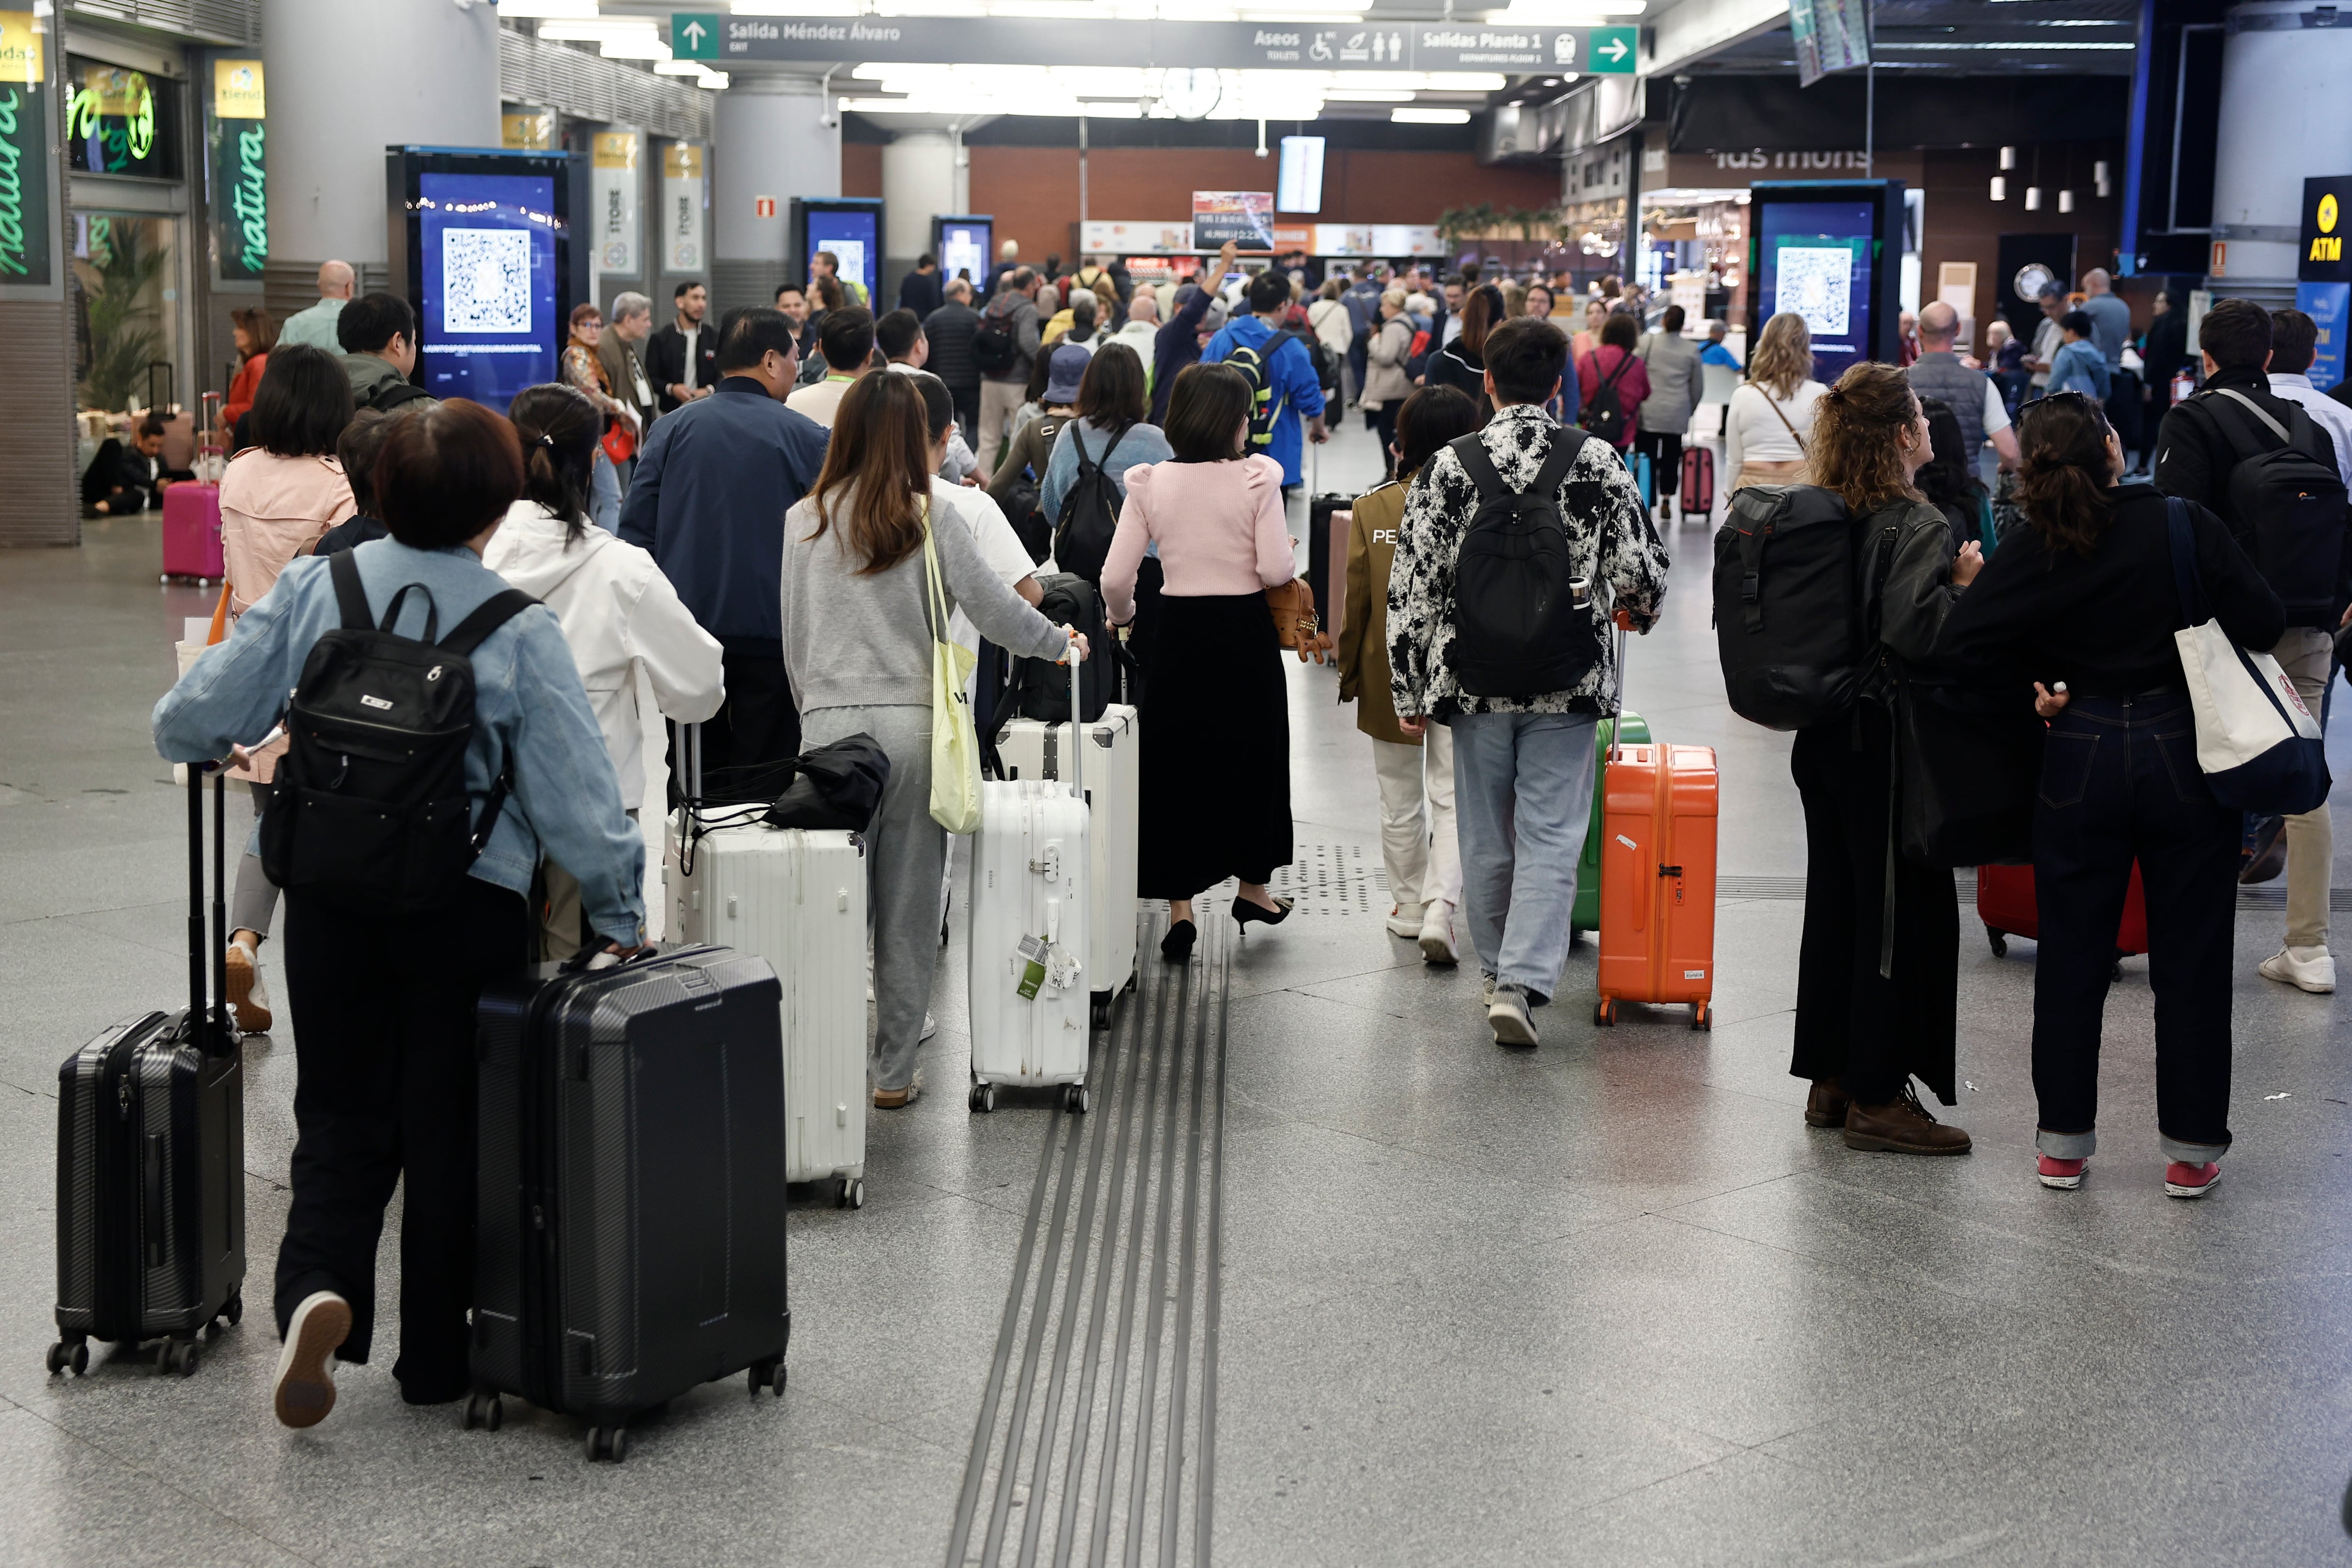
{"points": [[839, 785]]}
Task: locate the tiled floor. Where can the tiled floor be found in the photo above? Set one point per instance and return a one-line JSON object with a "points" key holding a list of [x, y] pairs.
{"points": [[1607, 1302]]}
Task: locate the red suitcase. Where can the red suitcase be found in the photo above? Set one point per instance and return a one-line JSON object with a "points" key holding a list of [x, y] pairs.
{"points": [[2005, 902], [1698, 480], [192, 533]]}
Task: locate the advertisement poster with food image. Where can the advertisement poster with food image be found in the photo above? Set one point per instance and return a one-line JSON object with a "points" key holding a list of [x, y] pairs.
{"points": [[1246, 217]]}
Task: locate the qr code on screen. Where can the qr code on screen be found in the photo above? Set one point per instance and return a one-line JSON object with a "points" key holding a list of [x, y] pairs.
{"points": [[1816, 282], [485, 281]]}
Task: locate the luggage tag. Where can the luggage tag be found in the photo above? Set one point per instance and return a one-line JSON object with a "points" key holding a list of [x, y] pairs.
{"points": [[1033, 953]]}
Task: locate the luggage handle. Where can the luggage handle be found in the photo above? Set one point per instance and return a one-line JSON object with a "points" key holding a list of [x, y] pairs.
{"points": [[209, 1025], [1071, 657], [1617, 714]]}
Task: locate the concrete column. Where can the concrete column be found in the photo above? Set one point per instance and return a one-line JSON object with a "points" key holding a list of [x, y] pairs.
{"points": [[770, 141], [2284, 117], [922, 178], [346, 79]]}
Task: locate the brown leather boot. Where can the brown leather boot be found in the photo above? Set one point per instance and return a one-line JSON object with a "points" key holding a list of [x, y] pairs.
{"points": [[1826, 1102], [1901, 1126]]}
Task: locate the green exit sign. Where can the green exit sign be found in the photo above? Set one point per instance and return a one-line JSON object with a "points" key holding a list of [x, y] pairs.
{"points": [[1612, 50], [694, 35]]}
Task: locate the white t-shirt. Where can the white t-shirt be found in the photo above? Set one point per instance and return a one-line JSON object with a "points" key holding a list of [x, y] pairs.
{"points": [[2325, 411], [693, 336], [1753, 428], [1996, 412], [999, 546]]}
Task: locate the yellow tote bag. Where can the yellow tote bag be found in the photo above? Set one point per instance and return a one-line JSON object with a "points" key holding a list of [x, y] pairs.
{"points": [[955, 743]]}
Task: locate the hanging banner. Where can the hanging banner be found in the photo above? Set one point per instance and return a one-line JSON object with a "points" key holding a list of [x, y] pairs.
{"points": [[613, 179], [682, 220], [24, 154], [527, 130], [240, 180], [1831, 35], [1246, 217]]}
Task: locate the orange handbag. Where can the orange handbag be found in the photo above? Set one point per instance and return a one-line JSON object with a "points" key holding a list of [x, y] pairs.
{"points": [[1296, 624], [620, 442]]}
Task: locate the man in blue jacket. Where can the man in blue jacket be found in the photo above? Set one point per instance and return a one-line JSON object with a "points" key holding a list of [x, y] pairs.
{"points": [[1293, 391], [709, 500]]}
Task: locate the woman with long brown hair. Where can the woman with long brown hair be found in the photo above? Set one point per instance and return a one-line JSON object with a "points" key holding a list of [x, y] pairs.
{"points": [[2083, 602], [1874, 1008], [1462, 364], [857, 648], [256, 333], [1765, 425]]}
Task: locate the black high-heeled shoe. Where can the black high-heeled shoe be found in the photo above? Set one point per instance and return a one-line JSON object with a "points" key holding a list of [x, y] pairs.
{"points": [[1245, 911], [1176, 947]]}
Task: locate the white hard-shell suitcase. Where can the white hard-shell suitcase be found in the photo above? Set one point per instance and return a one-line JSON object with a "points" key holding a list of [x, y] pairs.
{"points": [[1030, 894], [795, 897], [1114, 798]]}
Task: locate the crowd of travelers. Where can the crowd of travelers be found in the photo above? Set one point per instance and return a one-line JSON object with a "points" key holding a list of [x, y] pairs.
{"points": [[733, 515]]}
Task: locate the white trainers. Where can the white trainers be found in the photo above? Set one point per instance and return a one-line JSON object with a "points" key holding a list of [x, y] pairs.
{"points": [[304, 1389], [1404, 921], [248, 995], [1508, 1015], [2310, 969], [1437, 933], [931, 1027]]}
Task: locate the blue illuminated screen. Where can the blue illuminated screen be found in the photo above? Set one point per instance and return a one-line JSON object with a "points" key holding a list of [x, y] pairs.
{"points": [[491, 321], [1816, 260], [852, 236]]}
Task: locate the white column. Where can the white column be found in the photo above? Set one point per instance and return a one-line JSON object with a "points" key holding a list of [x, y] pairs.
{"points": [[922, 178], [772, 142], [2284, 117], [346, 78]]}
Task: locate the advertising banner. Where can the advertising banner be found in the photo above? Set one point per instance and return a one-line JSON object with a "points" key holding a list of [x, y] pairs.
{"points": [[1136, 234], [1246, 217], [681, 208], [527, 130], [240, 177], [24, 239], [617, 238]]}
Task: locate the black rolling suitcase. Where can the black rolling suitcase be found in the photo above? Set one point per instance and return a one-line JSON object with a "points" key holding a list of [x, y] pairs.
{"points": [[630, 1239], [150, 1157]]}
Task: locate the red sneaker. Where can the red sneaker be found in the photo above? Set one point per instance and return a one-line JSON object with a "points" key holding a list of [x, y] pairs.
{"points": [[2064, 1174], [2190, 1181]]}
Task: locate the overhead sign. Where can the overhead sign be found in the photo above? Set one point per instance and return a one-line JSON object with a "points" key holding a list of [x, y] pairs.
{"points": [[239, 138], [1829, 36], [25, 238], [2327, 217], [1246, 217], [1228, 46]]}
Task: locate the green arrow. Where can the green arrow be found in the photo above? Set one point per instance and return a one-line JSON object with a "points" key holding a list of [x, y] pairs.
{"points": [[694, 35], [1613, 50]]}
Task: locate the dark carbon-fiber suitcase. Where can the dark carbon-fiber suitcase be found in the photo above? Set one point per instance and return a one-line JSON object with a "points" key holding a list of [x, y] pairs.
{"points": [[630, 1242], [151, 1158]]}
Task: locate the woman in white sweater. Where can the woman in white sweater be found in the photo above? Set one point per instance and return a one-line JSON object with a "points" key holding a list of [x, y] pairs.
{"points": [[1771, 415], [617, 611]]}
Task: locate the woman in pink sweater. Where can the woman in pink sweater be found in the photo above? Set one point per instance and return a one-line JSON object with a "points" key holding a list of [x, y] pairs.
{"points": [[1216, 744]]}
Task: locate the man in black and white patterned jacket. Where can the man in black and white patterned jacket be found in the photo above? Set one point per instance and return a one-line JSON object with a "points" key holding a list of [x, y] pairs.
{"points": [[1523, 765]]}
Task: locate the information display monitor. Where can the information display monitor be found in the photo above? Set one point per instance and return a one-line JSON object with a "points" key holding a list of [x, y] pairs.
{"points": [[851, 229], [1829, 251], [966, 247], [484, 258]]}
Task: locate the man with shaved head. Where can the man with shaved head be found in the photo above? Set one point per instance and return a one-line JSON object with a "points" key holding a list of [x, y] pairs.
{"points": [[316, 326], [1975, 401], [2110, 316]]}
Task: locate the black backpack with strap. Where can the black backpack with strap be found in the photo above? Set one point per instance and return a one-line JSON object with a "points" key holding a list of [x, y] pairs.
{"points": [[996, 341], [1604, 412], [1793, 610], [1089, 517], [1524, 624], [370, 808], [2288, 500]]}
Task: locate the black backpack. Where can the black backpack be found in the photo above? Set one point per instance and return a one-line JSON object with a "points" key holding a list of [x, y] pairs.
{"points": [[836, 787], [995, 343], [1089, 512], [1603, 414], [1041, 688], [370, 808], [1318, 354], [1524, 624], [2288, 500], [1789, 607]]}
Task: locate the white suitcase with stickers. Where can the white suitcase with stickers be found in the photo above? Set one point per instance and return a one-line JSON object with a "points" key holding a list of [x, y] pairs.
{"points": [[1033, 749], [1030, 896]]}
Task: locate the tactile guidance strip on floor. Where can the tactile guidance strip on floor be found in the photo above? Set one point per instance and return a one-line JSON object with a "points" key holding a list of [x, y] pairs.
{"points": [[1096, 1438]]}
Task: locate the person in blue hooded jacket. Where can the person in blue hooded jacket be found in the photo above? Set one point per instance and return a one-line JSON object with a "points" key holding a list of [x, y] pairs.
{"points": [[1295, 390]]}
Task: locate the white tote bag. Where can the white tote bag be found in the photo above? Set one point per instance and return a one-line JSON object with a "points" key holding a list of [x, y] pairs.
{"points": [[955, 741], [2259, 746]]}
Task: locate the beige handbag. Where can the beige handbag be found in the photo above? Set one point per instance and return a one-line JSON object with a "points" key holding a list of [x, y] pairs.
{"points": [[955, 739]]}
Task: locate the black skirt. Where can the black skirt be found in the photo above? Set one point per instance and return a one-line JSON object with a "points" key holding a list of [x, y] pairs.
{"points": [[1215, 748]]}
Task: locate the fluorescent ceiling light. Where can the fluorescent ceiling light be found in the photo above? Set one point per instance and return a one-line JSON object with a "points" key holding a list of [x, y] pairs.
{"points": [[796, 7], [570, 9], [678, 68], [590, 30], [2008, 47], [634, 46], [1429, 117], [715, 80], [1364, 95], [1567, 12]]}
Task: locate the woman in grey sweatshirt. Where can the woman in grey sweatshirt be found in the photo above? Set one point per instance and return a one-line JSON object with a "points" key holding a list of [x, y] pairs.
{"points": [[857, 646]]}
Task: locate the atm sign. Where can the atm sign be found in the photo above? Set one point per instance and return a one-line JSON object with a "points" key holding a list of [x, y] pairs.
{"points": [[2322, 255]]}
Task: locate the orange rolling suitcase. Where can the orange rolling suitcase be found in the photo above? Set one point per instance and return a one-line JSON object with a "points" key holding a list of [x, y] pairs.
{"points": [[1657, 879]]}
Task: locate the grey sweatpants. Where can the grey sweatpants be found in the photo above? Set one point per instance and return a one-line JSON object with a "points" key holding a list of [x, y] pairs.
{"points": [[255, 899], [904, 852]]}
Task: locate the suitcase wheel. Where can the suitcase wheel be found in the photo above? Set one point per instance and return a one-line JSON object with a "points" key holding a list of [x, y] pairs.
{"points": [[1604, 1012], [1702, 1017], [1076, 1100], [852, 1193], [233, 1309], [486, 1411], [768, 1374], [1997, 941], [72, 1354], [983, 1098], [176, 1357], [1099, 1013], [608, 1443]]}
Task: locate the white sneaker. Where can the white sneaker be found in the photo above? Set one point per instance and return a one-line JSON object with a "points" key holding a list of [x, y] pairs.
{"points": [[248, 995], [304, 1389], [931, 1027], [1437, 933], [2310, 969], [1404, 921], [1508, 1013]]}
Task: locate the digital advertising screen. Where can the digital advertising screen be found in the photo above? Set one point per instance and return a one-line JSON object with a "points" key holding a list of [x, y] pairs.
{"points": [[493, 320], [854, 237], [1299, 179], [1816, 259], [963, 247]]}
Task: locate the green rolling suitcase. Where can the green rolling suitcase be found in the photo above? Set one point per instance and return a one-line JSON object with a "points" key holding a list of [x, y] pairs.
{"points": [[1586, 915]]}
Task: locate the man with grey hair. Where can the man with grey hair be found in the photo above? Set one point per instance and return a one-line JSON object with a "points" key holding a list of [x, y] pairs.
{"points": [[316, 325], [1970, 393], [2047, 336], [628, 323], [2110, 316]]}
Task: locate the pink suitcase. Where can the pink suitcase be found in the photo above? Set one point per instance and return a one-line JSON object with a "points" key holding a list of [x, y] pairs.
{"points": [[192, 533]]}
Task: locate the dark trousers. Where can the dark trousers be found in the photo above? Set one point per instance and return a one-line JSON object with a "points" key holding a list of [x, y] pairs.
{"points": [[749, 745], [383, 1039], [1874, 1032], [967, 411], [2120, 782], [1665, 450], [1383, 423]]}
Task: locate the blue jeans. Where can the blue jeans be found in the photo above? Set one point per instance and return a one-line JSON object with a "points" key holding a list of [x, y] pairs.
{"points": [[1523, 799], [604, 494]]}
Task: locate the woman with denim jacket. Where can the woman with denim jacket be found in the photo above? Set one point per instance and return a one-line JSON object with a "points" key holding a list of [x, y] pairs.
{"points": [[2082, 601], [383, 1000]]}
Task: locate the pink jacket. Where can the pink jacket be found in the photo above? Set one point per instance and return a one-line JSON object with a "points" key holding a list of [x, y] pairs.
{"points": [[1219, 527], [272, 509], [1632, 385]]}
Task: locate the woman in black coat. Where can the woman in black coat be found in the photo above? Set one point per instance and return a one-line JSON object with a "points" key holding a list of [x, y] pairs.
{"points": [[1463, 362]]}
